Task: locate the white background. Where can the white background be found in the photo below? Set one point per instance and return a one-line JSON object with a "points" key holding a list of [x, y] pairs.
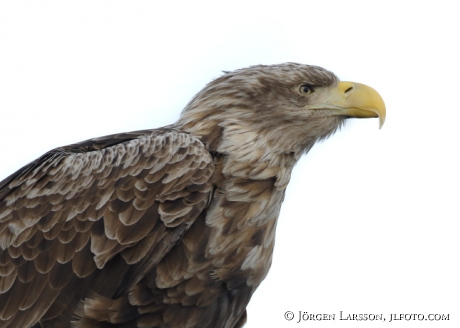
{"points": [[370, 220]]}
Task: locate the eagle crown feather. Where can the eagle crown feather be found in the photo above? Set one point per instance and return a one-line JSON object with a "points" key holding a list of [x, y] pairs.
{"points": [[263, 103]]}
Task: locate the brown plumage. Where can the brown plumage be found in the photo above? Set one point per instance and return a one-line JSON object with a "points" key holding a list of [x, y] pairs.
{"points": [[171, 227]]}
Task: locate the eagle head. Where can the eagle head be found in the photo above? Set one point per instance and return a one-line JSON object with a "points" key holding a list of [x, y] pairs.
{"points": [[286, 107]]}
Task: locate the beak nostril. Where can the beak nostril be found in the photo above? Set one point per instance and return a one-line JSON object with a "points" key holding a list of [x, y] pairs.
{"points": [[349, 89]]}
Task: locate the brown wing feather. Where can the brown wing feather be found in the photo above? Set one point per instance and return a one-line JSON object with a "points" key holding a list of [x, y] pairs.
{"points": [[80, 215]]}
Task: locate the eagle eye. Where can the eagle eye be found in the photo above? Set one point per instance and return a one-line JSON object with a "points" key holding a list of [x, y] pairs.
{"points": [[306, 90]]}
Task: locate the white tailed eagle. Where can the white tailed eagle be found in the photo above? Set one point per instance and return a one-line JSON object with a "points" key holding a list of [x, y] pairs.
{"points": [[171, 227]]}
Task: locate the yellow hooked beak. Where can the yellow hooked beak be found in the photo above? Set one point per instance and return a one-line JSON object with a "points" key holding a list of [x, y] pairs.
{"points": [[350, 99]]}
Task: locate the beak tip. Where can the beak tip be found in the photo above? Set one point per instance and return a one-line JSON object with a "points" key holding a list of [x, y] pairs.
{"points": [[382, 117]]}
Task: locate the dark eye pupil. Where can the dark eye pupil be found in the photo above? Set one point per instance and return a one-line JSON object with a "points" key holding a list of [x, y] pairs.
{"points": [[306, 89]]}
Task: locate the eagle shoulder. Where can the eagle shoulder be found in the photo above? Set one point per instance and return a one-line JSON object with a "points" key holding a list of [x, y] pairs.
{"points": [[65, 216]]}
